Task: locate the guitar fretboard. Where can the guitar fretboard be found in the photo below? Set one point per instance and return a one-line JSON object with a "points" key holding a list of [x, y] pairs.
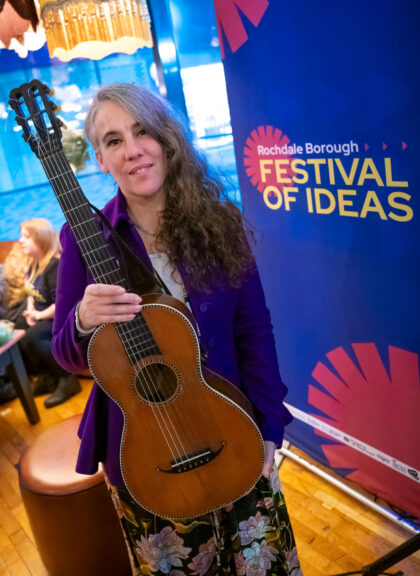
{"points": [[135, 335]]}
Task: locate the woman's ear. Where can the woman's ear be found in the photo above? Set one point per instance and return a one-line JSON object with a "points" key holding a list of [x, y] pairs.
{"points": [[101, 163]]}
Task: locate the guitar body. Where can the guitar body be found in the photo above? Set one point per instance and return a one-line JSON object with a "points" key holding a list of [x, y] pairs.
{"points": [[190, 444]]}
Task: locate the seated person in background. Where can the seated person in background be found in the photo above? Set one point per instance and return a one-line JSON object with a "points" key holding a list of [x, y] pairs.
{"points": [[12, 301], [2, 284], [14, 269], [40, 241]]}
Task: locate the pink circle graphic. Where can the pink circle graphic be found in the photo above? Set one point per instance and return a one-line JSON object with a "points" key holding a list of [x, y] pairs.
{"points": [[263, 148]]}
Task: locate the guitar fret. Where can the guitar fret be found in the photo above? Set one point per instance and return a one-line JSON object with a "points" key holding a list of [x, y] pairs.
{"points": [[140, 342], [59, 176], [133, 327], [83, 224], [77, 207], [140, 351], [67, 192], [120, 282], [143, 349], [104, 274], [97, 249], [142, 338], [111, 259], [96, 266], [136, 330], [86, 238], [94, 263]]}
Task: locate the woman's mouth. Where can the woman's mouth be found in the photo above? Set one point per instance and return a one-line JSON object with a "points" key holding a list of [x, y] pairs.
{"points": [[140, 169]]}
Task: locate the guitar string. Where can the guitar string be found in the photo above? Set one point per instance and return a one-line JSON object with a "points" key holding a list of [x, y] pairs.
{"points": [[88, 250], [91, 251], [99, 277], [39, 113], [188, 425], [96, 273], [149, 391], [140, 339]]}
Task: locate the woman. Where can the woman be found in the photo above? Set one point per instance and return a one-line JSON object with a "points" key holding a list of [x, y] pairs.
{"points": [[173, 215], [40, 241]]}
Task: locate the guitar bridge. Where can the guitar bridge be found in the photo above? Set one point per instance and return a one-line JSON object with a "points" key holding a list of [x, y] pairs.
{"points": [[192, 461]]}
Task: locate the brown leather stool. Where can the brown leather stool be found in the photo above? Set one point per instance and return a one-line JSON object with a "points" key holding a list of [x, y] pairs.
{"points": [[72, 517]]}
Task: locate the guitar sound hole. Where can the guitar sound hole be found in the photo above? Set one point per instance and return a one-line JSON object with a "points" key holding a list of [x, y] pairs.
{"points": [[156, 382]]}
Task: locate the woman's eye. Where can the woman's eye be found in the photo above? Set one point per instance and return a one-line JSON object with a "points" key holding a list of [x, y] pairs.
{"points": [[112, 142], [141, 132]]}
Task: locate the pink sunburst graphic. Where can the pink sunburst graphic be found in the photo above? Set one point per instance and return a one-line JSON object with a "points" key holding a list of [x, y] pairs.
{"points": [[229, 20], [379, 408], [261, 176]]}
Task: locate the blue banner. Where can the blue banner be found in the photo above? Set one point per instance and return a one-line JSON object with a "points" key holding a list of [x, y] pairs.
{"points": [[324, 101]]}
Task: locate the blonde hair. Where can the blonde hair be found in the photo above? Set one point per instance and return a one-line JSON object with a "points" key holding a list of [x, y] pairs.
{"points": [[45, 237]]}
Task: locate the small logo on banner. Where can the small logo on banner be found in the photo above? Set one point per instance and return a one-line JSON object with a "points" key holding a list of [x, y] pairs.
{"points": [[268, 143], [344, 179]]}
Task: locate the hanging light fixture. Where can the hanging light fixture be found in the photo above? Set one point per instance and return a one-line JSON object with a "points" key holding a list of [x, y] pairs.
{"points": [[19, 29], [12, 25], [95, 28]]}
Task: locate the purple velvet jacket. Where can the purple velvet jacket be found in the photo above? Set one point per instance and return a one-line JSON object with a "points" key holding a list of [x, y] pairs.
{"points": [[235, 331]]}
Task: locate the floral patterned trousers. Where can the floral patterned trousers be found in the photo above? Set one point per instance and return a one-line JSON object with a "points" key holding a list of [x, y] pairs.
{"points": [[252, 537]]}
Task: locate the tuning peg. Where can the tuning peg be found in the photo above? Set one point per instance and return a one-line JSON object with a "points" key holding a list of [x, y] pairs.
{"points": [[51, 92], [57, 108], [62, 124]]}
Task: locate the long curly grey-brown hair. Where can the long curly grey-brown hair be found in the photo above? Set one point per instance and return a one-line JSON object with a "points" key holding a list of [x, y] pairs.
{"points": [[200, 227]]}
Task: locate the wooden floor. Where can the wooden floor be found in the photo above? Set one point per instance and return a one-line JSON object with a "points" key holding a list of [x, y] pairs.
{"points": [[334, 533]]}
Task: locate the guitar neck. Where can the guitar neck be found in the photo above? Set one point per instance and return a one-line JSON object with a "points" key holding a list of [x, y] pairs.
{"points": [[75, 206], [135, 336]]}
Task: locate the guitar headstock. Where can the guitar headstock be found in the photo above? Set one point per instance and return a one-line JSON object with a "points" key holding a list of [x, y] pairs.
{"points": [[35, 113]]}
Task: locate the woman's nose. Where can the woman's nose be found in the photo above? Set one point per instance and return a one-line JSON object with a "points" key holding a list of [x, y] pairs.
{"points": [[133, 148]]}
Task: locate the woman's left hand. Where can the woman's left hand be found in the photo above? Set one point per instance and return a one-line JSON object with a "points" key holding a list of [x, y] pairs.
{"points": [[31, 317], [270, 448]]}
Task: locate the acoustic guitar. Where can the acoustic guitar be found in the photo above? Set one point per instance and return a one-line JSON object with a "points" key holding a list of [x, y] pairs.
{"points": [[190, 444]]}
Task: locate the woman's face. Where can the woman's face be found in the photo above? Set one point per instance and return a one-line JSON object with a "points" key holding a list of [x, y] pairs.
{"points": [[137, 162], [28, 245]]}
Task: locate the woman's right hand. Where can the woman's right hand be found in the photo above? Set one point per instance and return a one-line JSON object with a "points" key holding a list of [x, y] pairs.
{"points": [[105, 304]]}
